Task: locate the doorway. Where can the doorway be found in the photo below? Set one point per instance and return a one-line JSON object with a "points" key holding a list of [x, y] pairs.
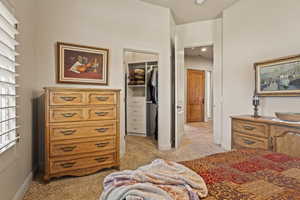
{"points": [[198, 62], [141, 98]]}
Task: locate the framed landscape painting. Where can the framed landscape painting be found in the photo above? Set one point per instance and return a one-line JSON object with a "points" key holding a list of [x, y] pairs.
{"points": [[279, 77], [79, 64]]}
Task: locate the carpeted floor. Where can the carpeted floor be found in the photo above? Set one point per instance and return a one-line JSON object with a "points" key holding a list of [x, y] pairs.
{"points": [[196, 143]]}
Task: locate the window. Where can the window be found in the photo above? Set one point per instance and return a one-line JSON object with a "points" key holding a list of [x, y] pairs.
{"points": [[8, 127]]}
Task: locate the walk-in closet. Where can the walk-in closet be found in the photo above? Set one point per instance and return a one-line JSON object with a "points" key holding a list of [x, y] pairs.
{"points": [[141, 94]]}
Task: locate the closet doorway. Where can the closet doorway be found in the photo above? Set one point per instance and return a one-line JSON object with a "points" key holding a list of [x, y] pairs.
{"points": [[141, 99]]}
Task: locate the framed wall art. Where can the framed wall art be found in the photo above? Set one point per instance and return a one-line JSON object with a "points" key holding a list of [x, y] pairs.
{"points": [[79, 64], [278, 77]]}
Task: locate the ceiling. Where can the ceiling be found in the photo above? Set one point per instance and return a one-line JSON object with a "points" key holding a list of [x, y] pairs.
{"points": [[186, 11], [208, 54]]}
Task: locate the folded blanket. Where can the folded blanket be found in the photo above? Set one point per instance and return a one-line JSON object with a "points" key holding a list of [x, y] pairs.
{"points": [[160, 180]]}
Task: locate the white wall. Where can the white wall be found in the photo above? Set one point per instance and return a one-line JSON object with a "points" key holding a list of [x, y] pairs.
{"points": [[198, 62], [15, 164], [110, 24], [196, 34], [256, 30]]}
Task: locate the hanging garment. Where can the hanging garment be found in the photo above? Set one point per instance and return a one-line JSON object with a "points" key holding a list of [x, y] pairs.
{"points": [[152, 111], [149, 78], [154, 86]]}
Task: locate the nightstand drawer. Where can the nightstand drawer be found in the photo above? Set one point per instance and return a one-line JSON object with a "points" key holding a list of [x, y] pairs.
{"points": [[251, 128], [243, 141]]}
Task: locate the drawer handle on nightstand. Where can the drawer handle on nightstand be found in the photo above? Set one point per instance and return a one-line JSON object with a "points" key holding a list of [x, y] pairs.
{"points": [[68, 98], [68, 149], [68, 132], [101, 130], [101, 113], [100, 160], [68, 165], [249, 142], [102, 98], [68, 115], [102, 144], [249, 128]]}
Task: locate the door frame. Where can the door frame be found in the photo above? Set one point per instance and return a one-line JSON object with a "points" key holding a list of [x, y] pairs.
{"points": [[187, 95]]}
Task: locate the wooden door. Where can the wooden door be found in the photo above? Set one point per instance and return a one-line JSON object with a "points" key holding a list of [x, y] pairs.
{"points": [[195, 95]]}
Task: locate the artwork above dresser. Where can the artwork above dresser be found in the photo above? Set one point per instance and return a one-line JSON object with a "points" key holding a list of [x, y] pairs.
{"points": [[81, 131], [267, 133]]}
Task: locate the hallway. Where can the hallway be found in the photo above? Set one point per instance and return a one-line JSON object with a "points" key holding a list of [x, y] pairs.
{"points": [[198, 140]]}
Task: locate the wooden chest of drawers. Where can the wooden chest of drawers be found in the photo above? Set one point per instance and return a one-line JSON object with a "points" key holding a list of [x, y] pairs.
{"points": [[81, 134], [266, 133]]}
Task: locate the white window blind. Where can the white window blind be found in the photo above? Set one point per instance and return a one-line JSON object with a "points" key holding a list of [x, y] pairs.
{"points": [[8, 124]]}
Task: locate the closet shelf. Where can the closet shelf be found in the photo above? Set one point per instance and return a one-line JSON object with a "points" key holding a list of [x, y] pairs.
{"points": [[136, 85]]}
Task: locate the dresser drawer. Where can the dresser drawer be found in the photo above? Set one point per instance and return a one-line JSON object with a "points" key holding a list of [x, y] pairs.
{"points": [[243, 141], [58, 165], [66, 148], [102, 113], [102, 98], [66, 114], [251, 128], [67, 98], [83, 130]]}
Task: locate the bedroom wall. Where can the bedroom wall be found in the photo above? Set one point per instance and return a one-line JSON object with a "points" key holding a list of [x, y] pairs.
{"points": [[110, 24], [15, 164], [256, 30], [198, 62]]}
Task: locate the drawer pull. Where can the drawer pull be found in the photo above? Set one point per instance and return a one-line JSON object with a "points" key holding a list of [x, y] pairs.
{"points": [[249, 142], [68, 132], [102, 98], [68, 149], [67, 165], [68, 115], [249, 128], [101, 130], [100, 160], [68, 98], [101, 113], [103, 144]]}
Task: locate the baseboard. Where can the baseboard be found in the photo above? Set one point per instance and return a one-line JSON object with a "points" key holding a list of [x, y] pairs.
{"points": [[164, 147], [24, 187]]}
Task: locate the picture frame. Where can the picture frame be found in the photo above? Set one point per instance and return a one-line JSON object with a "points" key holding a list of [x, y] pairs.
{"points": [[278, 77], [78, 64]]}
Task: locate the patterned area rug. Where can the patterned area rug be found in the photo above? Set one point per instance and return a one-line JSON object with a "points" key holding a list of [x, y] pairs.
{"points": [[249, 175]]}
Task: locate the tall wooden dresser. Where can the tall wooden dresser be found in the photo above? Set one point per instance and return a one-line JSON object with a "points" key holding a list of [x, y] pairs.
{"points": [[266, 133], [81, 132]]}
